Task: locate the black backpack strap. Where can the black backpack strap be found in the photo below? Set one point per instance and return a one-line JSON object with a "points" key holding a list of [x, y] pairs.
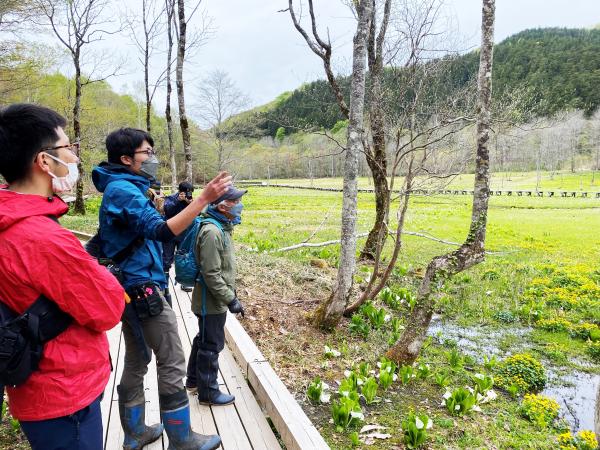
{"points": [[94, 248], [129, 250], [6, 314], [46, 319]]}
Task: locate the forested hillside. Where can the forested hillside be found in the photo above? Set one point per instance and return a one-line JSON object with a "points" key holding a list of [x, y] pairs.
{"points": [[551, 69]]}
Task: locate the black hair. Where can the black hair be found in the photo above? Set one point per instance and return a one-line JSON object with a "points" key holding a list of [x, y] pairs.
{"points": [[186, 186], [24, 130], [124, 142]]}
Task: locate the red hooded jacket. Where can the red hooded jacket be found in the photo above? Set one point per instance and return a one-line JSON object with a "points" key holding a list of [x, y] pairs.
{"points": [[38, 256]]}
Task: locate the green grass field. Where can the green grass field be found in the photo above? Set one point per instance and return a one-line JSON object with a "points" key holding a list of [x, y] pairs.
{"points": [[542, 276], [560, 180]]}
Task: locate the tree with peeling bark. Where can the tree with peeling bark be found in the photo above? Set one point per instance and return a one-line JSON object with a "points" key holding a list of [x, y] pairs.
{"points": [[183, 121], [170, 13], [420, 120], [77, 24], [375, 149], [328, 315], [375, 146], [185, 42], [472, 251]]}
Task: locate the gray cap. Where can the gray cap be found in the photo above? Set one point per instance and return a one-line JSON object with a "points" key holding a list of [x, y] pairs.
{"points": [[232, 194]]}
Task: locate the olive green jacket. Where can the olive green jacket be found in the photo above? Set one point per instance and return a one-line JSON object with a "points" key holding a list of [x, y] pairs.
{"points": [[215, 257]]}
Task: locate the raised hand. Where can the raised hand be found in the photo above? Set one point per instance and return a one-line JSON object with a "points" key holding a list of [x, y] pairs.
{"points": [[215, 187]]}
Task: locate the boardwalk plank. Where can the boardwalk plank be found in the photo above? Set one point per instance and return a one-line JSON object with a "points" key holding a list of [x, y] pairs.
{"points": [[253, 418]]}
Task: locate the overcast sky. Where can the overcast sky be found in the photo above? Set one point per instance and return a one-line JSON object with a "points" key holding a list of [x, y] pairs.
{"points": [[264, 55]]}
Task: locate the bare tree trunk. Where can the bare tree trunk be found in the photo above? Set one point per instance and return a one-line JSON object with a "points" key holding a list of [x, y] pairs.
{"points": [[376, 156], [472, 251], [330, 312], [170, 7], [79, 205], [146, 51], [183, 121], [146, 81]]}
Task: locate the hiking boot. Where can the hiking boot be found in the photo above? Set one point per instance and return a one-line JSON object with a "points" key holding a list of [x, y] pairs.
{"points": [[215, 397]]}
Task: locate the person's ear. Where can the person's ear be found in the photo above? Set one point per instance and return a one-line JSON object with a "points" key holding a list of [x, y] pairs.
{"points": [[127, 160], [42, 161]]}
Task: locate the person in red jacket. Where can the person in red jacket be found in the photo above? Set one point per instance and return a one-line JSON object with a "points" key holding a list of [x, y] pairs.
{"points": [[59, 404]]}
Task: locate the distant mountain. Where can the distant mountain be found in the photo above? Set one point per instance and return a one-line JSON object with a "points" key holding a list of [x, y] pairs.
{"points": [[556, 69]]}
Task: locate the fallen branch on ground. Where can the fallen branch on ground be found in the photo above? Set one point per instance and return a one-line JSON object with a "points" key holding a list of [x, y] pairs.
{"points": [[361, 235]]}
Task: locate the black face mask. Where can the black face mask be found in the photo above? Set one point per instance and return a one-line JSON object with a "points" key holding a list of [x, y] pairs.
{"points": [[149, 167]]}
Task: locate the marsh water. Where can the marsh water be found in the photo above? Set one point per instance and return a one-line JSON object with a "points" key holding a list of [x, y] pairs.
{"points": [[576, 391]]}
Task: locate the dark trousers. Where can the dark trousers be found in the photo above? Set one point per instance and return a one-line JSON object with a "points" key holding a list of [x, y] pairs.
{"points": [[168, 254], [78, 431], [203, 364], [169, 251]]}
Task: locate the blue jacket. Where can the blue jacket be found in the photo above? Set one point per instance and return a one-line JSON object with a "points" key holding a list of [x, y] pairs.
{"points": [[125, 214], [173, 206]]}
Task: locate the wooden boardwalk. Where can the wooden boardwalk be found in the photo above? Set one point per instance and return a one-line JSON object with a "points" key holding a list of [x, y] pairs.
{"points": [[431, 192], [242, 425]]}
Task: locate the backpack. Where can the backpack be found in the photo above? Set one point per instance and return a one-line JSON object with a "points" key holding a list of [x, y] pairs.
{"points": [[186, 266], [22, 338]]}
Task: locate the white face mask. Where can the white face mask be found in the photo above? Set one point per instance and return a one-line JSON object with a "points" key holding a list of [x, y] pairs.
{"points": [[66, 183]]}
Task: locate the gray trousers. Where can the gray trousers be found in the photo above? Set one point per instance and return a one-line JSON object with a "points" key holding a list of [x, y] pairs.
{"points": [[160, 333]]}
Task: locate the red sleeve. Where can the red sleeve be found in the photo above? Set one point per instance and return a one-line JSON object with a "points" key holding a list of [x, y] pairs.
{"points": [[65, 273]]}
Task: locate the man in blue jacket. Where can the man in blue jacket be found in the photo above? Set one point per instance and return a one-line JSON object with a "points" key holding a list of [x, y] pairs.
{"points": [[131, 230]]}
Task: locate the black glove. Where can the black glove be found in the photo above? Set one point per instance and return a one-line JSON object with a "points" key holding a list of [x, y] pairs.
{"points": [[235, 306]]}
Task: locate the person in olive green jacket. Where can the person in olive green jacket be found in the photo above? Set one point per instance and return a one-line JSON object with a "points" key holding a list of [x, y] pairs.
{"points": [[213, 295]]}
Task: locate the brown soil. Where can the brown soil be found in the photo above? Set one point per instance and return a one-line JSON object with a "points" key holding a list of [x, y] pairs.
{"points": [[279, 296]]}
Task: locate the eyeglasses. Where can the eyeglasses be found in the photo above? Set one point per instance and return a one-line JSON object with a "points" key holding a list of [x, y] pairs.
{"points": [[149, 151], [73, 148]]}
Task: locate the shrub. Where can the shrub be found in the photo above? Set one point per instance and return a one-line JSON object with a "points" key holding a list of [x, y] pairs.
{"points": [[490, 275], [584, 440], [555, 325], [455, 359], [442, 378], [483, 383], [317, 391], [593, 350], [390, 298], [369, 390], [523, 371], [539, 409], [406, 374], [346, 412], [387, 373], [415, 428], [584, 331], [359, 326], [460, 401], [504, 317]]}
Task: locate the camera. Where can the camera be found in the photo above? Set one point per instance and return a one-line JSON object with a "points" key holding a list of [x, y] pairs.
{"points": [[188, 195]]}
